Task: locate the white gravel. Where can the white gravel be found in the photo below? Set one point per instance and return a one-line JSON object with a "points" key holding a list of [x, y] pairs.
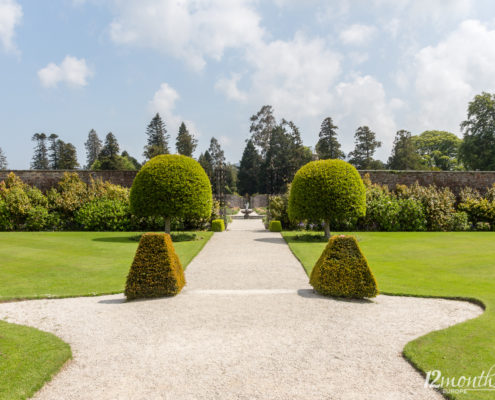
{"points": [[247, 326]]}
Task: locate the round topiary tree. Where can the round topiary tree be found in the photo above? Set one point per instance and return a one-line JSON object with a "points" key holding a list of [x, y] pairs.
{"points": [[327, 190], [171, 185]]}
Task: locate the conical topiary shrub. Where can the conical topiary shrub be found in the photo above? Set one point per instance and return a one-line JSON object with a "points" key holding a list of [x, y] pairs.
{"points": [[156, 270], [342, 270]]}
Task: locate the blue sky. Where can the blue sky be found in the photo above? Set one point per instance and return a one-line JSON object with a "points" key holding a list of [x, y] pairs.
{"points": [[68, 66]]}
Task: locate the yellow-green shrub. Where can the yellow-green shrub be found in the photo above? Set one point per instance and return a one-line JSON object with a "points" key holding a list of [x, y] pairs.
{"points": [[342, 270], [156, 270], [217, 225], [275, 226]]}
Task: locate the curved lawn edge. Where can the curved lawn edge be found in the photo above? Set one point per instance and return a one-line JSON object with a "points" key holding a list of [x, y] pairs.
{"points": [[29, 358], [437, 350]]}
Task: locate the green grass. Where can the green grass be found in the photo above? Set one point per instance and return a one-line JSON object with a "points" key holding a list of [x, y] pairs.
{"points": [[59, 264], [62, 264], [433, 264], [28, 358]]}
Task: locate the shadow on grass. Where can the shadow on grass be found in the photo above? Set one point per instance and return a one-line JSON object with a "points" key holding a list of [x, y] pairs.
{"points": [[275, 240], [117, 239], [312, 294]]}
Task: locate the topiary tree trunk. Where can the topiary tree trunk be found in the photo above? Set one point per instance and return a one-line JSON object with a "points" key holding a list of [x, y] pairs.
{"points": [[167, 225], [326, 227]]}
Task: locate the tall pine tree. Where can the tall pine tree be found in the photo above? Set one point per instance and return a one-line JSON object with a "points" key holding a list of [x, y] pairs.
{"points": [[3, 160], [157, 138], [206, 162], [93, 148], [328, 147], [249, 170], [185, 143], [40, 157], [54, 149], [365, 146], [404, 153]]}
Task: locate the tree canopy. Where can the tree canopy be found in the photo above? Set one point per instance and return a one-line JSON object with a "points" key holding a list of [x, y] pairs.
{"points": [[404, 153], [185, 143], [438, 150], [157, 138], [477, 151], [365, 147]]}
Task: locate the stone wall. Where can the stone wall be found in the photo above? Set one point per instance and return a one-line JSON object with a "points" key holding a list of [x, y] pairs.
{"points": [[454, 180], [45, 180]]}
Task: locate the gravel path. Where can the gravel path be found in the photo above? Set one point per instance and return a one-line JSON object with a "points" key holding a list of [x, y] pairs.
{"points": [[247, 326]]}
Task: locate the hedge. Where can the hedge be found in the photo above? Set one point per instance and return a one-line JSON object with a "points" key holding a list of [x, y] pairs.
{"points": [[217, 225], [275, 226], [342, 270], [156, 270]]}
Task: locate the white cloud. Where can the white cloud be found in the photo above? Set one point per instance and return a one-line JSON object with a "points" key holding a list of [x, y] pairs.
{"points": [[188, 29], [452, 72], [363, 101], [10, 17], [229, 87], [163, 102], [358, 34], [295, 76], [72, 71]]}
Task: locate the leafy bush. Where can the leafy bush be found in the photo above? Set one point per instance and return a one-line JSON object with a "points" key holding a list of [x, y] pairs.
{"points": [[171, 186], [217, 225], [438, 204], [482, 226], [460, 222], [278, 209], [327, 190], [342, 270], [411, 216], [104, 215], [156, 270], [479, 210], [275, 226]]}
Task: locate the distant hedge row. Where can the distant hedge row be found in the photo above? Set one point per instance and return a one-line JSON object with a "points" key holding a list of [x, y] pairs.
{"points": [[75, 205], [407, 208]]}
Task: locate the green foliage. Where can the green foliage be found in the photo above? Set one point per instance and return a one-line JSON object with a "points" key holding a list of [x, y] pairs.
{"points": [[439, 150], [328, 147], [404, 153], [93, 147], [460, 222], [482, 226], [104, 215], [40, 156], [275, 226], [328, 190], [477, 151], [249, 170], [438, 203], [342, 270], [479, 210], [185, 143], [3, 160], [217, 225], [171, 186], [156, 270], [157, 143], [365, 146]]}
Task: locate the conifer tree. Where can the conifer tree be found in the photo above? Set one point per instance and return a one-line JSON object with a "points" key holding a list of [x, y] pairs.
{"points": [[40, 157], [328, 147], [3, 160], [67, 156], [157, 138], [249, 170], [93, 148], [404, 153], [54, 149], [206, 162], [365, 147], [185, 143]]}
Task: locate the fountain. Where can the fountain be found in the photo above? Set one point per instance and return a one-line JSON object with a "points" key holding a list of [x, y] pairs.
{"points": [[246, 211]]}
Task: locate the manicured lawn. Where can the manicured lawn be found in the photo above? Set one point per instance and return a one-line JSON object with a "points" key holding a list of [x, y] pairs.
{"points": [[436, 264], [58, 264], [46, 264]]}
